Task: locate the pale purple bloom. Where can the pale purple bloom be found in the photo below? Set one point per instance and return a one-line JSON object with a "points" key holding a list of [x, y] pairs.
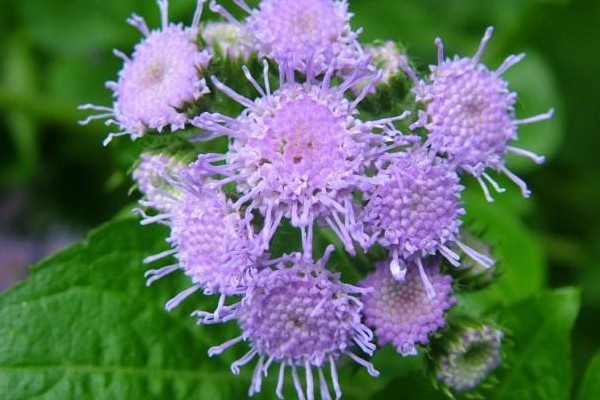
{"points": [[162, 78], [469, 114], [225, 39], [149, 175], [213, 245], [279, 29], [402, 312], [300, 315], [470, 358], [299, 152], [414, 210]]}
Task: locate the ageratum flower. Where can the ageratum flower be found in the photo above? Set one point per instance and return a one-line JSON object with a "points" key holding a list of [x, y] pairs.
{"points": [[402, 312], [213, 245], [469, 114], [162, 78], [470, 358], [225, 38], [299, 152], [279, 28], [414, 210], [300, 316], [149, 176]]}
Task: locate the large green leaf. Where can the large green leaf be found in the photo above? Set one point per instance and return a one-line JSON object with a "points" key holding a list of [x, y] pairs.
{"points": [[590, 388], [537, 363], [84, 326]]}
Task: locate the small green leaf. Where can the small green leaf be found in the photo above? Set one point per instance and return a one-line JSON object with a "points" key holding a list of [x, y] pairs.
{"points": [[537, 365], [590, 388]]}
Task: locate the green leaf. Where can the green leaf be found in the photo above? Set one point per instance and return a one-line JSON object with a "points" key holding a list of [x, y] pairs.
{"points": [[537, 365], [590, 388], [84, 326]]}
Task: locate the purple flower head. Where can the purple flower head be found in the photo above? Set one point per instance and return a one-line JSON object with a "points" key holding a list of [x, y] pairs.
{"points": [[299, 152], [469, 114], [213, 245], [280, 28], [226, 38], [300, 315], [470, 358], [162, 77], [149, 176], [414, 210], [402, 312]]}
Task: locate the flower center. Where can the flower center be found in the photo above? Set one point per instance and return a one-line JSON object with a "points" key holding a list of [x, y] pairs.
{"points": [[303, 136], [155, 74]]}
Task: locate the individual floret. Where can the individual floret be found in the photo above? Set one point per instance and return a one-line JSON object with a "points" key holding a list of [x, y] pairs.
{"points": [[163, 77], [469, 114], [402, 312], [300, 315]]}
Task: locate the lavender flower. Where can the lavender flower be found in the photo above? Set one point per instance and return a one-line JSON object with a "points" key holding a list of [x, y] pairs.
{"points": [[470, 358], [301, 316], [225, 38], [214, 246], [149, 175], [279, 28], [299, 152], [414, 210], [161, 79], [403, 313], [469, 114]]}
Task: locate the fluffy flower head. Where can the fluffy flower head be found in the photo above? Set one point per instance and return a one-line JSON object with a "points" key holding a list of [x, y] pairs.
{"points": [[211, 241], [469, 113], [280, 29], [301, 315], [402, 312], [414, 208], [213, 245], [161, 79], [298, 152]]}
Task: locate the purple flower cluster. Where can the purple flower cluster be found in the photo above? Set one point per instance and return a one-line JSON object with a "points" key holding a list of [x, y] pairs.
{"points": [[300, 151]]}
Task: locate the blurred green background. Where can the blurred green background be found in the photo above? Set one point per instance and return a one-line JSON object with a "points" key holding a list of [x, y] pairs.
{"points": [[56, 180]]}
